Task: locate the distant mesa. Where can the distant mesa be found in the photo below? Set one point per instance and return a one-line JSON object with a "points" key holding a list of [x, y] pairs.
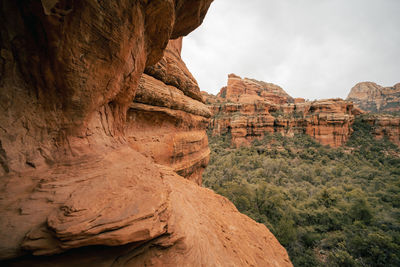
{"points": [[248, 90], [372, 97], [299, 100], [247, 109]]}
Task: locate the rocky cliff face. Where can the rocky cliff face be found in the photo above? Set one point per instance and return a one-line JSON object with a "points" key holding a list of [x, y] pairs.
{"points": [[249, 90], [385, 126], [250, 114], [167, 118], [372, 97], [96, 138]]}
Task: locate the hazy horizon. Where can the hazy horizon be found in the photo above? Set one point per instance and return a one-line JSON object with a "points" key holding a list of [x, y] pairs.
{"points": [[313, 49]]}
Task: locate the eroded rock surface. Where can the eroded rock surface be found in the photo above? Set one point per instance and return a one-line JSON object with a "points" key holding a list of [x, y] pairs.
{"points": [[167, 118], [385, 126], [250, 113], [91, 148], [384, 103], [372, 97], [146, 212], [249, 90], [71, 69]]}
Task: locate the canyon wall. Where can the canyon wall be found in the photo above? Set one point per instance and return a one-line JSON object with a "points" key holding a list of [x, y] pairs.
{"points": [[380, 101], [372, 97], [167, 118], [254, 110], [99, 130], [249, 90], [385, 126]]}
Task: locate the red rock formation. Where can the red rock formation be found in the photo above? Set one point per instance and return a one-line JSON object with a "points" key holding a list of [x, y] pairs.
{"points": [[171, 70], [79, 66], [247, 115], [374, 98], [385, 126], [329, 121], [166, 122], [377, 99], [249, 90], [160, 218], [89, 176], [299, 100]]}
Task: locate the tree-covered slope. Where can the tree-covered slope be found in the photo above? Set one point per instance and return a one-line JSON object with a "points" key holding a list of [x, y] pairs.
{"points": [[328, 207]]}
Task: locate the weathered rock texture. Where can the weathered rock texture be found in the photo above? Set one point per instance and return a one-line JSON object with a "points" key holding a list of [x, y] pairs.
{"points": [[91, 148], [250, 90], [379, 100], [250, 113], [167, 119], [372, 97], [385, 126]]}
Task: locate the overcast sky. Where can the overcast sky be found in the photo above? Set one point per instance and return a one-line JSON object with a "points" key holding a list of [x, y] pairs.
{"points": [[311, 48]]}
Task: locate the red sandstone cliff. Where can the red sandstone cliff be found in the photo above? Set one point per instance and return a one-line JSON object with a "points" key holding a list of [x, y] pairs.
{"points": [[385, 126], [249, 90], [167, 118], [91, 148], [250, 113], [372, 97], [379, 100]]}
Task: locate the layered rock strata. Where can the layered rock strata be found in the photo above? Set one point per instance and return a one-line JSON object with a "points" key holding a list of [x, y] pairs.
{"points": [[91, 148], [249, 90], [385, 126], [372, 97], [136, 213], [254, 113], [381, 101], [167, 118]]}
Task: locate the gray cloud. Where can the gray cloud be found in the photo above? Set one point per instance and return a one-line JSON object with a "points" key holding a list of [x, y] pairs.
{"points": [[312, 48]]}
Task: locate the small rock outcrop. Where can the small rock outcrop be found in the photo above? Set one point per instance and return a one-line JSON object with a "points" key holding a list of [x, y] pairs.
{"points": [[98, 131], [372, 97], [247, 109], [385, 126]]}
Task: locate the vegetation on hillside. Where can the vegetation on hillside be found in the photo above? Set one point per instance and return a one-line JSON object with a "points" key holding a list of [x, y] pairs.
{"points": [[328, 207]]}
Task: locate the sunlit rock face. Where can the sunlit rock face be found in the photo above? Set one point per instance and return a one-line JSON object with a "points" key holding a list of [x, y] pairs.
{"points": [[94, 153], [247, 109], [372, 97]]}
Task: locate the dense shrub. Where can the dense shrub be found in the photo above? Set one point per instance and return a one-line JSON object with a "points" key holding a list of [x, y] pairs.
{"points": [[328, 207]]}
